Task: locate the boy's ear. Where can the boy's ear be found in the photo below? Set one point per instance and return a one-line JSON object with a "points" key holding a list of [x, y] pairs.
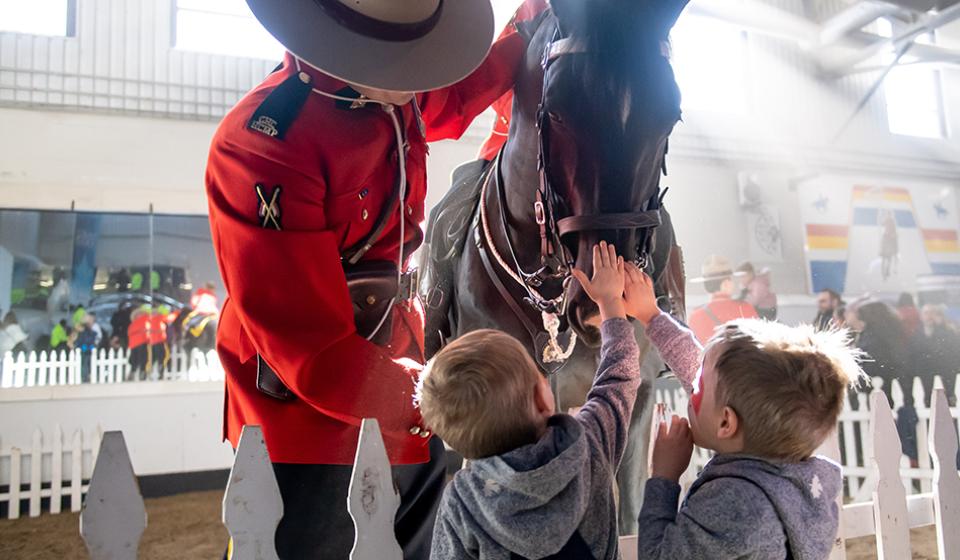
{"points": [[729, 424], [543, 399]]}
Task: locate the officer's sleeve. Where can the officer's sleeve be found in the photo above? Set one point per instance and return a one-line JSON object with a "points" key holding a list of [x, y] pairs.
{"points": [[289, 291], [447, 112]]}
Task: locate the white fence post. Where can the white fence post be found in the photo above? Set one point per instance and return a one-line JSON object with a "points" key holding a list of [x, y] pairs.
{"points": [[946, 487], [830, 448], [372, 499], [13, 509], [113, 516], [889, 497], [6, 375], [76, 470], [252, 507], [36, 461], [56, 471]]}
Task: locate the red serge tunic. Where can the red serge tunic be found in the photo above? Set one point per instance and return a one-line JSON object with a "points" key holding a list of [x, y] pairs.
{"points": [[283, 207]]}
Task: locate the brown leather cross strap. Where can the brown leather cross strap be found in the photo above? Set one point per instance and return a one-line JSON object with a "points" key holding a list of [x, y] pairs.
{"points": [[621, 220]]}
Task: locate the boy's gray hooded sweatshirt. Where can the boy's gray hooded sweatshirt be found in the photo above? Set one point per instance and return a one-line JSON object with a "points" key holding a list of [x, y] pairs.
{"points": [[553, 498], [740, 506]]}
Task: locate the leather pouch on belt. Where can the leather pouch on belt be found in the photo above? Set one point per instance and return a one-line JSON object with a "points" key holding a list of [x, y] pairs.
{"points": [[373, 291]]}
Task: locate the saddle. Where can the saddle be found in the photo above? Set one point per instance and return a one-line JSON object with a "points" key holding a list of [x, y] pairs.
{"points": [[447, 232]]}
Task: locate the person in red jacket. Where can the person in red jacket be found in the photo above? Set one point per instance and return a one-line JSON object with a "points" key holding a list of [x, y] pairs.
{"points": [[138, 340], [316, 183], [717, 279]]}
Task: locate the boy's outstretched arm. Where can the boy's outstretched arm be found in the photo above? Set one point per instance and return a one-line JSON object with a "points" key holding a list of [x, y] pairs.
{"points": [[676, 344], [725, 518], [610, 401]]}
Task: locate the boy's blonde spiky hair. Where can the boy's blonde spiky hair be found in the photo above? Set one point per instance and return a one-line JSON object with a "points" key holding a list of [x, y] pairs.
{"points": [[786, 384]]}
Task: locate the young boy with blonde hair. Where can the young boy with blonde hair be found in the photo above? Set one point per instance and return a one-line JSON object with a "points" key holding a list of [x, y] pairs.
{"points": [[539, 484], [766, 396]]}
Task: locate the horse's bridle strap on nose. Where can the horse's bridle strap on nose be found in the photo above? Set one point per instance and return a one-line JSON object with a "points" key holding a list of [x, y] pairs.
{"points": [[598, 222]]}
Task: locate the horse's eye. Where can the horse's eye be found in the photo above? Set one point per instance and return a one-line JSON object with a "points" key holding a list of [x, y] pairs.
{"points": [[555, 117]]}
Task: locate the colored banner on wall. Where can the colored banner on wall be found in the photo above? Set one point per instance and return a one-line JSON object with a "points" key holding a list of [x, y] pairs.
{"points": [[877, 236]]}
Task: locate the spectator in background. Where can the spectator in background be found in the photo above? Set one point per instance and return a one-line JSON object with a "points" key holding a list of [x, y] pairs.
{"points": [[882, 338], [120, 322], [138, 339], [839, 320], [938, 353], [157, 338], [909, 315], [755, 290], [90, 320], [827, 303], [204, 300], [12, 337], [86, 341], [717, 279], [79, 314], [59, 336]]}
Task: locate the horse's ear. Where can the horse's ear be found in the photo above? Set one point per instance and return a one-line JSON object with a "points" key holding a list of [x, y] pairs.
{"points": [[670, 11]]}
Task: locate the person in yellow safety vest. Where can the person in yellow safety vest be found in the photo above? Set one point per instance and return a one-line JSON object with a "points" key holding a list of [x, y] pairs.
{"points": [[79, 315], [59, 336]]}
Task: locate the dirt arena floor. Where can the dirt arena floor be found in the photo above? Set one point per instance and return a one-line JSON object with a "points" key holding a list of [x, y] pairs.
{"points": [[188, 527]]}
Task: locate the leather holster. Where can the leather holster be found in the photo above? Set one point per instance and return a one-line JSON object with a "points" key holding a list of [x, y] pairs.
{"points": [[374, 290]]}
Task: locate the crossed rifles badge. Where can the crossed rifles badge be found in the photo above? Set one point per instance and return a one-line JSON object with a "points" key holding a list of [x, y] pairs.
{"points": [[268, 208]]}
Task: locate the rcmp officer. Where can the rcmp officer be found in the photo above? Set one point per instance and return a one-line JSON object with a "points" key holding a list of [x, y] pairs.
{"points": [[316, 184], [717, 279]]}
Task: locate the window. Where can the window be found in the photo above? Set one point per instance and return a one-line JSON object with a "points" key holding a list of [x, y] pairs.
{"points": [[710, 62], [223, 27], [912, 91], [39, 17]]}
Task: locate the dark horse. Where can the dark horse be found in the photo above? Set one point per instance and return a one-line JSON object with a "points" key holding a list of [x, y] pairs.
{"points": [[593, 108], [196, 330]]}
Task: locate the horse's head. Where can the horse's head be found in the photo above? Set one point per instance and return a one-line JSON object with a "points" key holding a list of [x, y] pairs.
{"points": [[600, 89]]}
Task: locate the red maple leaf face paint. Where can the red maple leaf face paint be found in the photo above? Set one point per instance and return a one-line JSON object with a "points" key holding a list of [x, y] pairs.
{"points": [[697, 398]]}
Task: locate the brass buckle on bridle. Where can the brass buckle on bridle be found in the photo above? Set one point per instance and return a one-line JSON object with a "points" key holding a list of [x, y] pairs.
{"points": [[539, 213]]}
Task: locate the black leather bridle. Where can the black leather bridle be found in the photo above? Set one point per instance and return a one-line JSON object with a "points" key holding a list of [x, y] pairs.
{"points": [[555, 260]]}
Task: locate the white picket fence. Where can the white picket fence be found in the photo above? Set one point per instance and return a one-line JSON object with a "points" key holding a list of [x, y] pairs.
{"points": [[106, 366], [51, 468], [113, 516]]}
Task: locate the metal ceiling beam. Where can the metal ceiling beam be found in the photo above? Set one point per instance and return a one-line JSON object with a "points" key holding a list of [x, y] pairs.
{"points": [[853, 19], [842, 56], [844, 64]]}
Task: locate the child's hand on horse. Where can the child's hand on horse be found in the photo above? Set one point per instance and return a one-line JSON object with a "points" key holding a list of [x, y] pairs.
{"points": [[606, 287], [640, 300], [672, 449]]}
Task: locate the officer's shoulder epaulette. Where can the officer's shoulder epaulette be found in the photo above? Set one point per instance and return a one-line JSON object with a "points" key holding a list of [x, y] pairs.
{"points": [[281, 106]]}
